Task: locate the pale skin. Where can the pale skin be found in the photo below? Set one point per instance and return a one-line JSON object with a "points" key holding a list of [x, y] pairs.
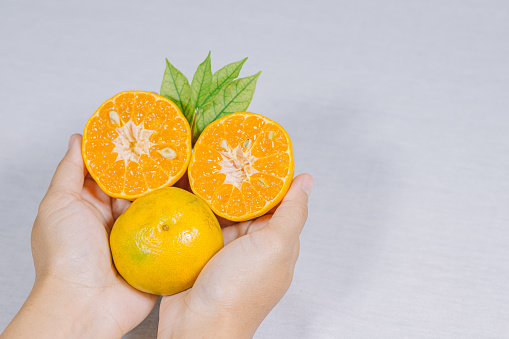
{"points": [[78, 293]]}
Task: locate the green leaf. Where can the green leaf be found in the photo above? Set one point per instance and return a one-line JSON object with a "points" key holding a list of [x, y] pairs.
{"points": [[202, 80], [223, 78], [235, 97], [175, 87]]}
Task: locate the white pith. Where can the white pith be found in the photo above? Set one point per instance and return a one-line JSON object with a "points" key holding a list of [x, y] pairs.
{"points": [[237, 165], [132, 142]]}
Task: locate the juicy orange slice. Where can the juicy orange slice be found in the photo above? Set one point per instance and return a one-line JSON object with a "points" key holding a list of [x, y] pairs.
{"points": [[136, 142], [242, 165]]}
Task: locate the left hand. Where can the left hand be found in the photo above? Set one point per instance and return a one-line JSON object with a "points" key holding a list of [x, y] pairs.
{"points": [[77, 290]]}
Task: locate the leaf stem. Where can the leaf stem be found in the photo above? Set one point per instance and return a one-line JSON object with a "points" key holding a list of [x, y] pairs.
{"points": [[193, 126]]}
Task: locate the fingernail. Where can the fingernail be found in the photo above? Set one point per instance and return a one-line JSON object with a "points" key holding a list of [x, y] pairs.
{"points": [[71, 140], [307, 185]]}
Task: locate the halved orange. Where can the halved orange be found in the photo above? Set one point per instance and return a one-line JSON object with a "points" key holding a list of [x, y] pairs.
{"points": [[242, 165], [136, 142]]}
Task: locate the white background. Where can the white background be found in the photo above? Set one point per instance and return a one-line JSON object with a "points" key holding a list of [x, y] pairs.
{"points": [[398, 108]]}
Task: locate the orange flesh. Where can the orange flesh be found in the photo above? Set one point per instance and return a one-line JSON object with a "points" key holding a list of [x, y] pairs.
{"points": [[242, 165], [126, 140]]}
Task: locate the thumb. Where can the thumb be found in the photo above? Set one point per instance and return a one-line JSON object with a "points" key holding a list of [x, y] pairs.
{"points": [[290, 217], [70, 173]]}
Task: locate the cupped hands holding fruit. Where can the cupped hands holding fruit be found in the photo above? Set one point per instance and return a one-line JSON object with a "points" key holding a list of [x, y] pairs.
{"points": [[137, 143], [134, 147]]}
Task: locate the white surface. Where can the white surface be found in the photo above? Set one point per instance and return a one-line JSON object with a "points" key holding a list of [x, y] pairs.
{"points": [[399, 109]]}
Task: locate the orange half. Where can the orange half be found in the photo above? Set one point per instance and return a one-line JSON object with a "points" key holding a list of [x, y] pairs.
{"points": [[136, 142], [242, 165]]}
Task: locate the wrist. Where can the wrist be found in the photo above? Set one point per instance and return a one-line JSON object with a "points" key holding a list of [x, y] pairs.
{"points": [[57, 309], [201, 329], [182, 322]]}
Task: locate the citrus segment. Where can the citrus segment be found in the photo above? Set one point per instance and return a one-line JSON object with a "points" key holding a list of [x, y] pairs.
{"points": [[242, 165], [274, 165], [232, 128], [167, 157], [100, 130], [157, 118], [221, 198], [134, 183], [102, 157], [205, 169], [170, 132], [114, 177], [136, 142], [236, 206], [267, 185], [252, 199], [270, 141], [252, 126], [206, 186], [123, 105], [143, 104], [152, 173], [213, 138]]}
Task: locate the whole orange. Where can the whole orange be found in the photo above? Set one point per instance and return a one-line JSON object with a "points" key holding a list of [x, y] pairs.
{"points": [[163, 240]]}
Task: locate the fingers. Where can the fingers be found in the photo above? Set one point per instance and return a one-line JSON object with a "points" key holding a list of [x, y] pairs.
{"points": [[233, 232], [92, 192], [290, 217], [273, 209], [118, 206], [71, 171]]}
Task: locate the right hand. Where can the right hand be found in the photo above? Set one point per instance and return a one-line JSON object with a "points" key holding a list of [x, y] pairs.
{"points": [[241, 284]]}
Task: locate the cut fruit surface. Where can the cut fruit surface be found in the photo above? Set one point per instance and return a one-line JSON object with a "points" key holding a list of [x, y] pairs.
{"points": [[242, 165], [136, 142]]}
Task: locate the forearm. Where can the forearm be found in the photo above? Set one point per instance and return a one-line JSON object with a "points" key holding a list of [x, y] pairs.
{"points": [[57, 311]]}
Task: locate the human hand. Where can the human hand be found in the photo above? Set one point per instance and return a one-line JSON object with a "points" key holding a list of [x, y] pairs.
{"points": [[241, 284], [77, 291]]}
